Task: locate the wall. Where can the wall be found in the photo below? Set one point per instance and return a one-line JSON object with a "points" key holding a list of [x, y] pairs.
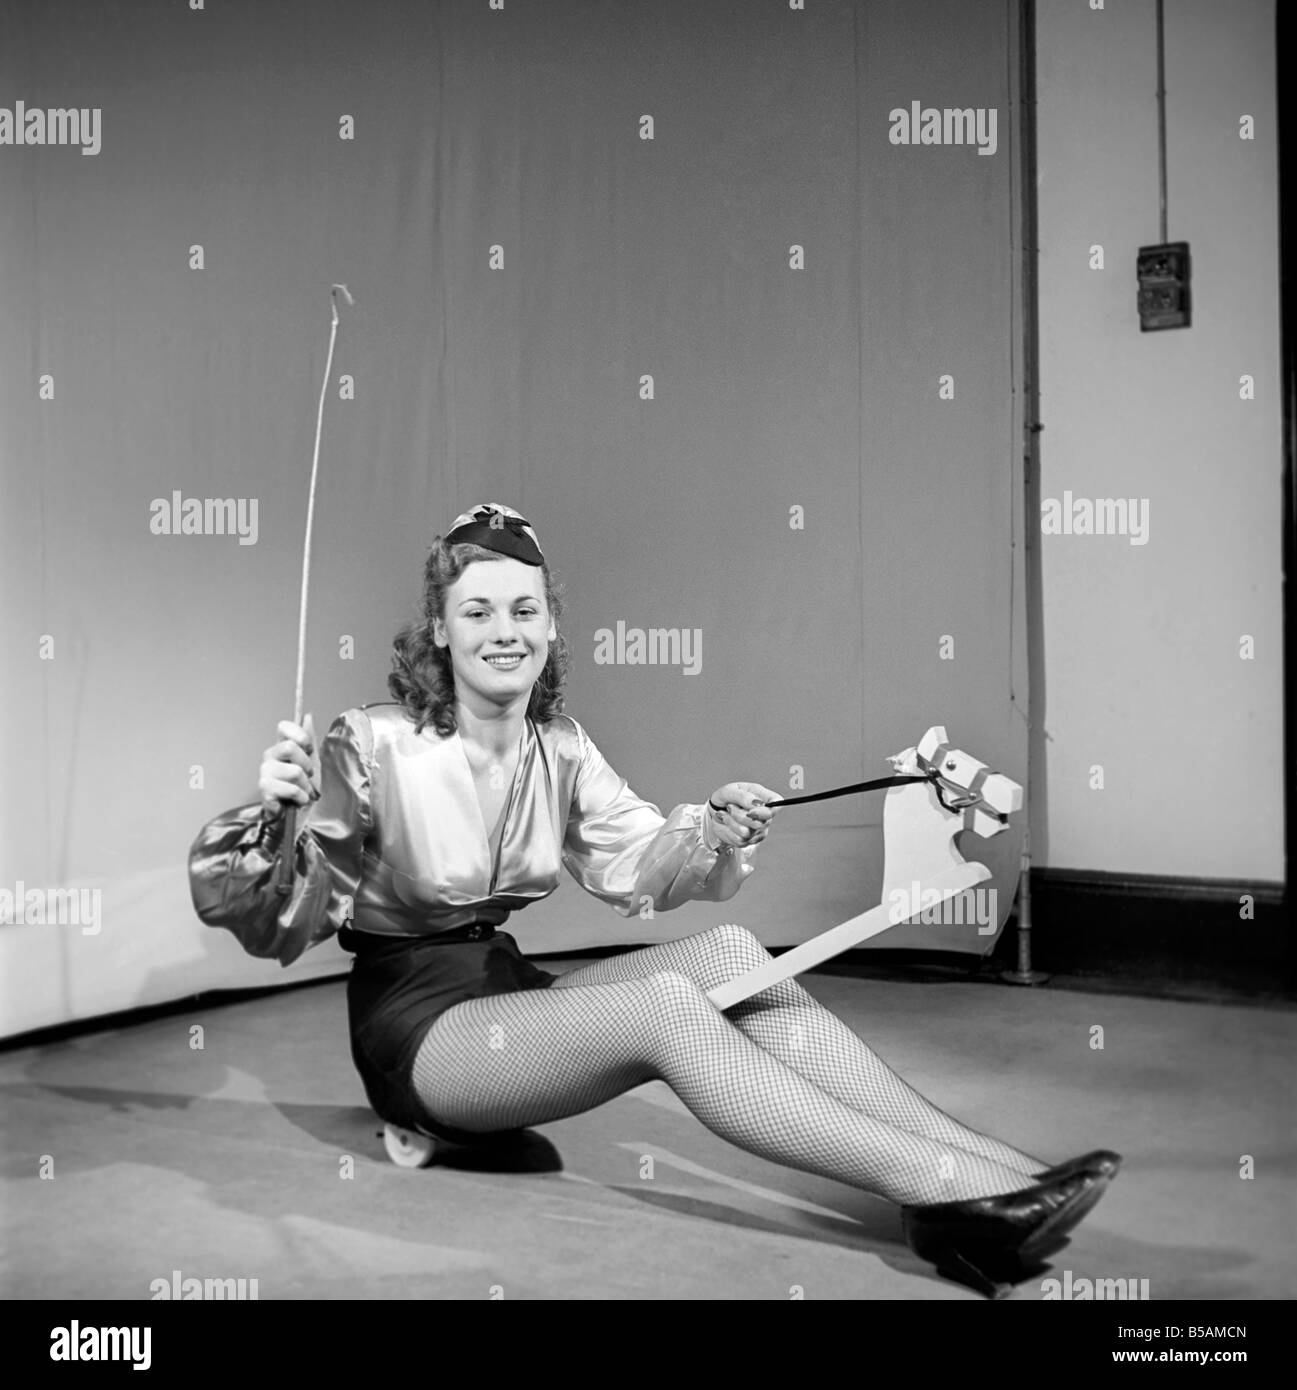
{"points": [[1142, 669]]}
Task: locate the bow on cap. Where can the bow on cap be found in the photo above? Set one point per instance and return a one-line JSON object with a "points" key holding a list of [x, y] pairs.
{"points": [[497, 528]]}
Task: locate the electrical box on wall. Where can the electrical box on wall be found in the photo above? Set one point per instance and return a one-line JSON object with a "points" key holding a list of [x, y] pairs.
{"points": [[1163, 273]]}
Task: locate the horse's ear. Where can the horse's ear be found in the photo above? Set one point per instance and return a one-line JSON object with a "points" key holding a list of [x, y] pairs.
{"points": [[933, 741], [906, 763]]}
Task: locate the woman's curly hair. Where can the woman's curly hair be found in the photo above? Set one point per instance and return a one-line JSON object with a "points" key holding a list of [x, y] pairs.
{"points": [[422, 678]]}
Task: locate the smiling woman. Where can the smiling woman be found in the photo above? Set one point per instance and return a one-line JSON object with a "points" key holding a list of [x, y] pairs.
{"points": [[497, 640], [487, 538], [431, 819]]}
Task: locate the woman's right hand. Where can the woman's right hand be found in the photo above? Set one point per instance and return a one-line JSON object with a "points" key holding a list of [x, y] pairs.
{"points": [[290, 769]]}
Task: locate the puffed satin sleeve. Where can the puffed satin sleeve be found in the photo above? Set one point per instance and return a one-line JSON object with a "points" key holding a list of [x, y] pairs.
{"points": [[624, 851], [234, 861]]}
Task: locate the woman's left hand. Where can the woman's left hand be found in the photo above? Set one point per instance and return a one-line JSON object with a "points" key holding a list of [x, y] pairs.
{"points": [[746, 818]]}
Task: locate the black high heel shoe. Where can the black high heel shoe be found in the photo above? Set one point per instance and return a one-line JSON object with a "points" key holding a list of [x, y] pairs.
{"points": [[990, 1243], [1101, 1162]]}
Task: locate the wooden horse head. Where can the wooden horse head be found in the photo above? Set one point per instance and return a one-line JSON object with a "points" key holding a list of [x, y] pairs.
{"points": [[920, 820]]}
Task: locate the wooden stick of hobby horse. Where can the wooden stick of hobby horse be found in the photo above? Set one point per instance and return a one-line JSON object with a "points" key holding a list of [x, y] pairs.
{"points": [[919, 857], [284, 880]]}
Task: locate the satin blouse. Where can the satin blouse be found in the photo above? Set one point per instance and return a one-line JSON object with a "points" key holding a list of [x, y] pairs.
{"points": [[397, 845]]}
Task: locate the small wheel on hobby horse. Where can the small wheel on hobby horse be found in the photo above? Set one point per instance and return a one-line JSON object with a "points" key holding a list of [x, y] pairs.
{"points": [[408, 1148]]}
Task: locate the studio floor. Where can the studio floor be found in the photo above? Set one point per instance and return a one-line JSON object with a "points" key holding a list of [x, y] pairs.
{"points": [[233, 1141]]}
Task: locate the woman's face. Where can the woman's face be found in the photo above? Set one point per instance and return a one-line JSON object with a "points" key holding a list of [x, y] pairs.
{"points": [[498, 628]]}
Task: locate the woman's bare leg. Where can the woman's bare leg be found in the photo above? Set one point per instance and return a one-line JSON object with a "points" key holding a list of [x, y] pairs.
{"points": [[510, 1061], [793, 1026]]}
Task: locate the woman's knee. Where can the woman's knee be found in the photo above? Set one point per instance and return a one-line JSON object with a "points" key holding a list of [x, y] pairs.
{"points": [[674, 994], [739, 944]]}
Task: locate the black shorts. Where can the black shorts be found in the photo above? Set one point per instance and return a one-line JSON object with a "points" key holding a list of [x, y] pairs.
{"points": [[400, 986]]}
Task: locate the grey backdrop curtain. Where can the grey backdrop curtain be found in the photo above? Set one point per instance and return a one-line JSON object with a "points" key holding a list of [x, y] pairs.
{"points": [[775, 389]]}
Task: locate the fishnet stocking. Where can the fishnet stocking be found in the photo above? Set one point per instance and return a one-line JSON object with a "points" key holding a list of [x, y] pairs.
{"points": [[793, 1026], [777, 1075]]}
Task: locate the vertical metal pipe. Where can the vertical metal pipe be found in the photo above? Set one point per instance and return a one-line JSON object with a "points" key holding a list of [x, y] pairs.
{"points": [[1161, 119], [1026, 31]]}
